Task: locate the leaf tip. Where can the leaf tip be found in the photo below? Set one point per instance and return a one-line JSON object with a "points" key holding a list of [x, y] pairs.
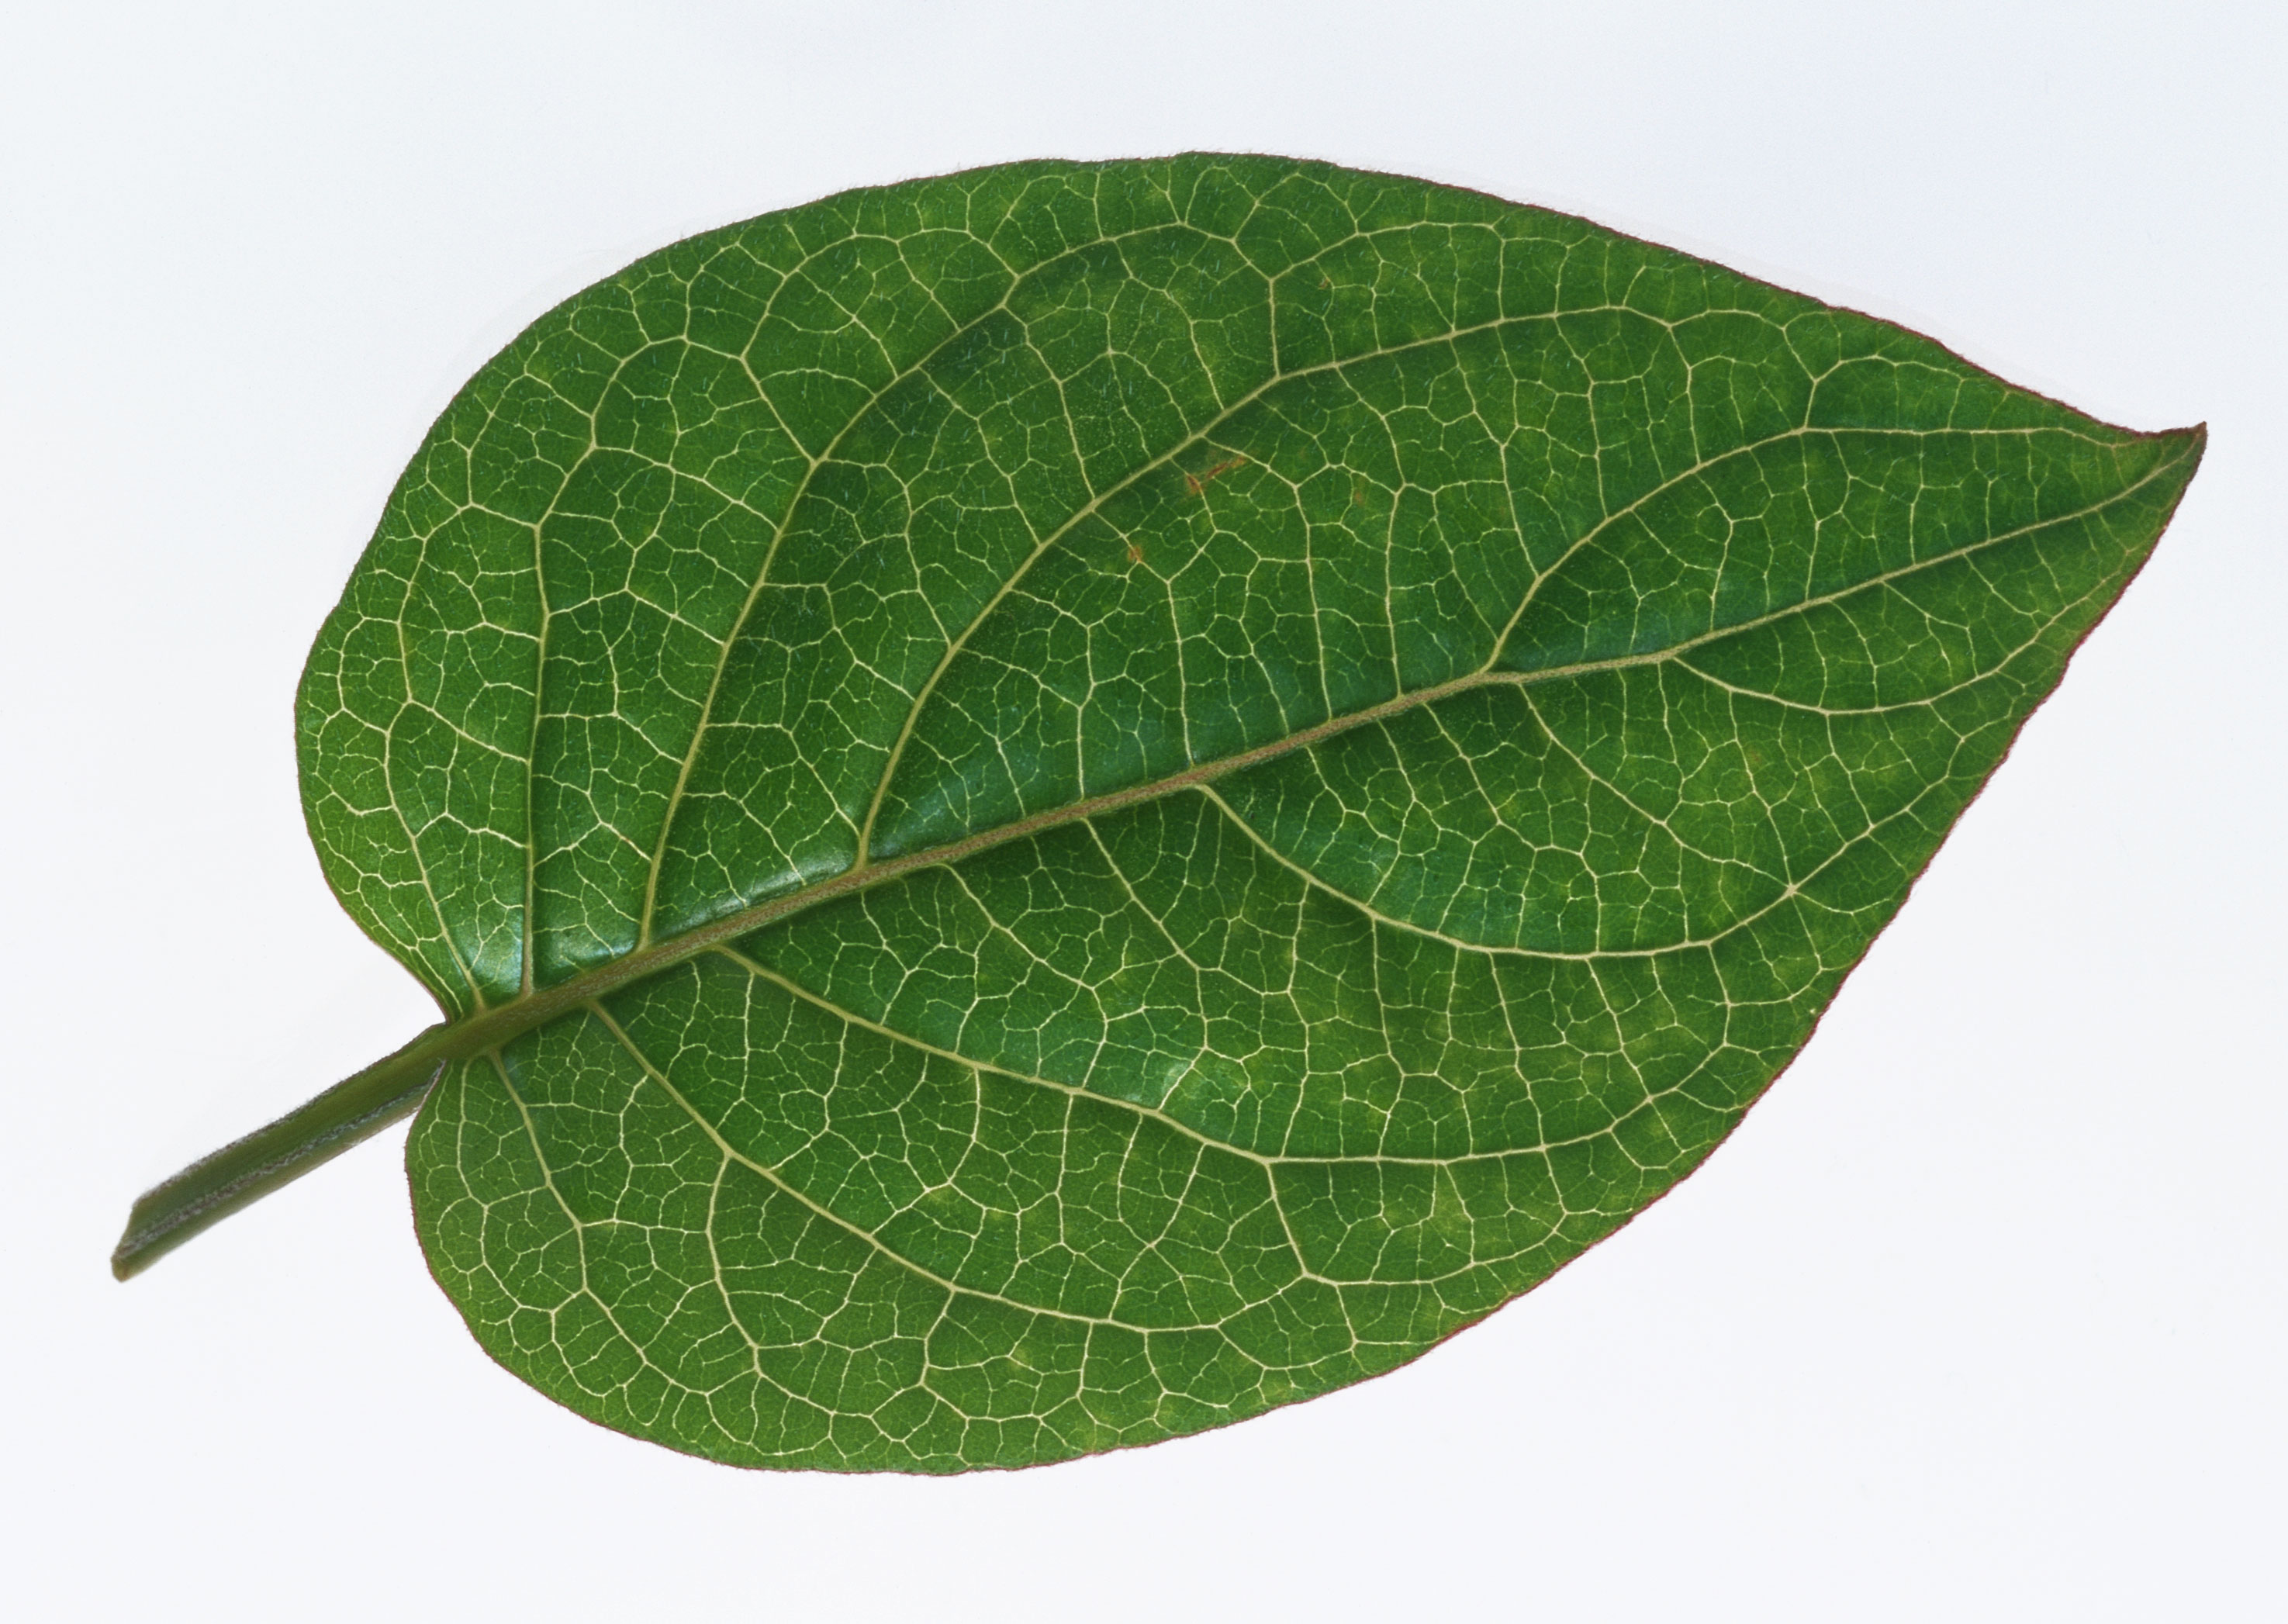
{"points": [[2190, 441]]}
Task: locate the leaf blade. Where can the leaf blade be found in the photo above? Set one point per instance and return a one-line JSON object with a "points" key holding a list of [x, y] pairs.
{"points": [[1559, 654]]}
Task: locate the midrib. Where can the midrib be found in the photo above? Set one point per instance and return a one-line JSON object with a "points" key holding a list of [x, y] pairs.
{"points": [[475, 1035]]}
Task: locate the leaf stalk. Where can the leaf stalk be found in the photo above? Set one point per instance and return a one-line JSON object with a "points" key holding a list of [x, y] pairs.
{"points": [[242, 1172]]}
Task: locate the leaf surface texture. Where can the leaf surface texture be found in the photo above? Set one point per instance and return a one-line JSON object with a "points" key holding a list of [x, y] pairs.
{"points": [[1381, 717]]}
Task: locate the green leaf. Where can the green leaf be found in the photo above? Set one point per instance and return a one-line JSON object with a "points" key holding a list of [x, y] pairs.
{"points": [[1059, 806]]}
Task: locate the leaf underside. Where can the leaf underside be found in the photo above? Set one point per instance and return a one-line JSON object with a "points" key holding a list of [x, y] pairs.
{"points": [[1431, 696]]}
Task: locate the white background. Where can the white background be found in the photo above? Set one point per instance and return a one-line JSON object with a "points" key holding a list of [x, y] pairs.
{"points": [[1982, 1315]]}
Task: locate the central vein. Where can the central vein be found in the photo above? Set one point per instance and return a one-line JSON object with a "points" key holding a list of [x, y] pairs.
{"points": [[493, 1027]]}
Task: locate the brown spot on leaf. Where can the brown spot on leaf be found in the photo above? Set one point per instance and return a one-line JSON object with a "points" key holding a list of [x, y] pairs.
{"points": [[1197, 483]]}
